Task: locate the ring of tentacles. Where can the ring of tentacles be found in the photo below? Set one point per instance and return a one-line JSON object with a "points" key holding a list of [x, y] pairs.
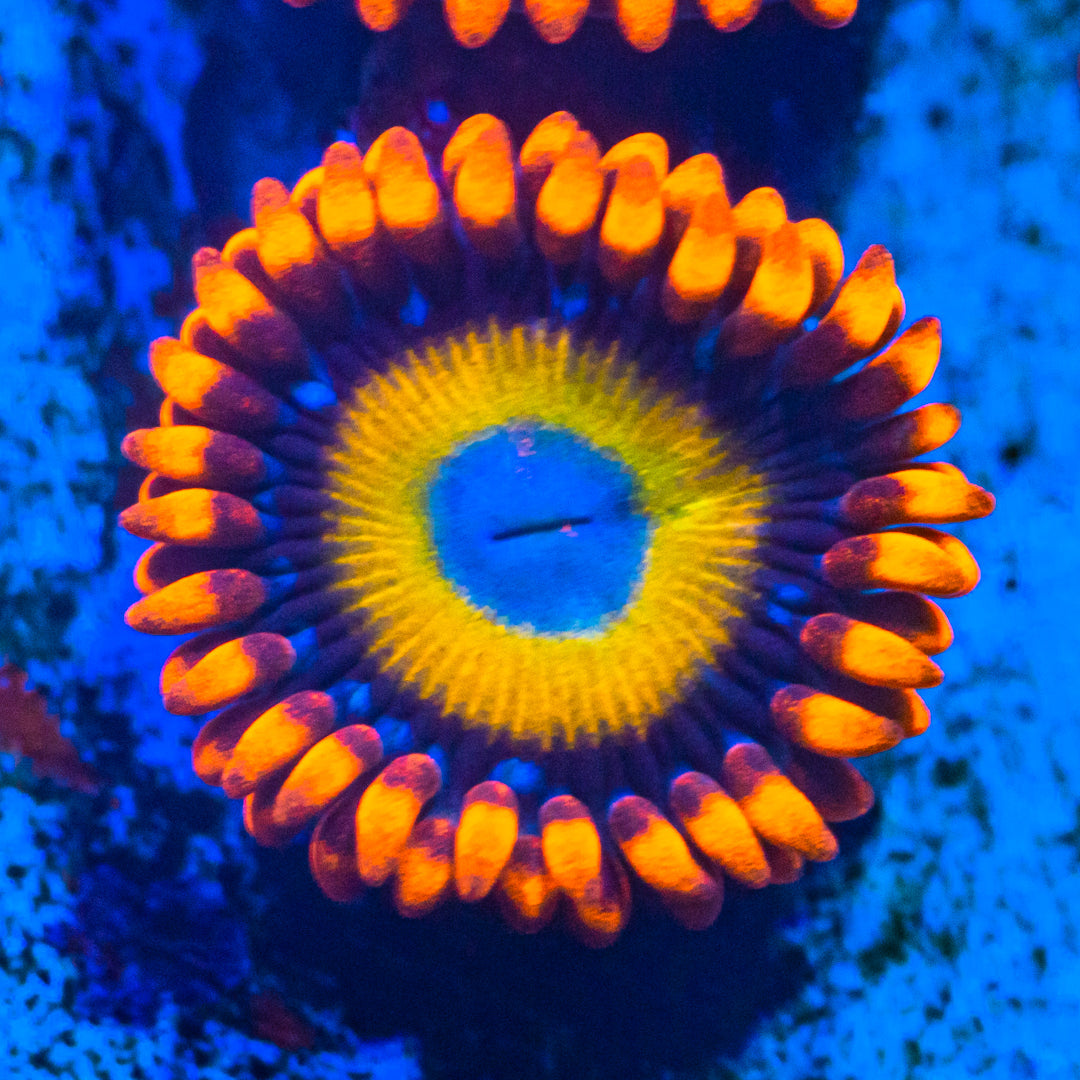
{"points": [[536, 536], [646, 24]]}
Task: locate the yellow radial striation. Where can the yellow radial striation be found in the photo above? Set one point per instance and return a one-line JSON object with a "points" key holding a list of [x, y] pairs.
{"points": [[703, 508]]}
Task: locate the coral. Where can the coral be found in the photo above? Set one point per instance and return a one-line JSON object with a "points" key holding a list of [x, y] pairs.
{"points": [[529, 532], [646, 24], [27, 730]]}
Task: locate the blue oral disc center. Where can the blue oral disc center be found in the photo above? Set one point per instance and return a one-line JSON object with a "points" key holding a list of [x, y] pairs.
{"points": [[539, 527]]}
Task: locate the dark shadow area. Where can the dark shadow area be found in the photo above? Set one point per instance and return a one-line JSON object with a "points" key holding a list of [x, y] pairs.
{"points": [[140, 943], [777, 101], [275, 90], [486, 1003]]}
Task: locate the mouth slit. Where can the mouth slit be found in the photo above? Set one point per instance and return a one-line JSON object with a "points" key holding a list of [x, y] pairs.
{"points": [[556, 525]]}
